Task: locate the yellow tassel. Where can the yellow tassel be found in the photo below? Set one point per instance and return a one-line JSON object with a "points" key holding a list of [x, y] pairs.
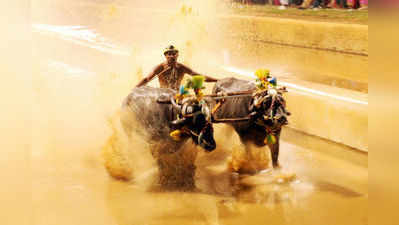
{"points": [[270, 139], [273, 139], [176, 135]]}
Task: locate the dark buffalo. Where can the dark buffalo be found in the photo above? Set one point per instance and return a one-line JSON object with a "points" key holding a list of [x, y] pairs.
{"points": [[143, 114], [262, 121]]}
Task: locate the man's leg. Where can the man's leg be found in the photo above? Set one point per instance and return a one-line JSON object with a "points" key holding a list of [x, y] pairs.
{"points": [[364, 4], [332, 4], [306, 4], [316, 3]]}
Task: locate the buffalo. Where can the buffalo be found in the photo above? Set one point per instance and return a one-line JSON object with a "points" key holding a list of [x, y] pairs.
{"points": [[254, 124], [143, 113]]}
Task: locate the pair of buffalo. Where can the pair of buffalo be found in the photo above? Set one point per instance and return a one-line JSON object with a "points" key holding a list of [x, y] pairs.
{"points": [[154, 119]]}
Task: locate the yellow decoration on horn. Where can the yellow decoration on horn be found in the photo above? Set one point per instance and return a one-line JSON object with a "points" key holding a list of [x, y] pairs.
{"points": [[176, 135]]}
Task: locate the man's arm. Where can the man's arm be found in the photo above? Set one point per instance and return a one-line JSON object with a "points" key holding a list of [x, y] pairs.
{"points": [[157, 70], [191, 72]]}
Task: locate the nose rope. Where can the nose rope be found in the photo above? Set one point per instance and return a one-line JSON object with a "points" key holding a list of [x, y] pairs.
{"points": [[197, 135], [206, 142], [206, 126], [203, 129], [272, 104]]}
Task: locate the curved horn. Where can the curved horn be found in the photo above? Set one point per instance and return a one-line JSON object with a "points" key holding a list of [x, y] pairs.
{"points": [[206, 111], [174, 104]]}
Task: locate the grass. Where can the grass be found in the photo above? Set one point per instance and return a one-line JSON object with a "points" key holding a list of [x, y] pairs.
{"points": [[327, 15]]}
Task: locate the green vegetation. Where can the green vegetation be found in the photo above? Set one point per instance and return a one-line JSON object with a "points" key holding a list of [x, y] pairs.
{"points": [[328, 15]]}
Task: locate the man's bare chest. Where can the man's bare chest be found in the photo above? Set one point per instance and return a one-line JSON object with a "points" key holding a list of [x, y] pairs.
{"points": [[172, 74]]}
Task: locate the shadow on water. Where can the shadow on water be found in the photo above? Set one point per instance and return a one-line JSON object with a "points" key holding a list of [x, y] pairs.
{"points": [[336, 189]]}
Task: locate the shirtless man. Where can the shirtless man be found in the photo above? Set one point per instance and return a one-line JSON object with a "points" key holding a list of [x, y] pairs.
{"points": [[171, 73]]}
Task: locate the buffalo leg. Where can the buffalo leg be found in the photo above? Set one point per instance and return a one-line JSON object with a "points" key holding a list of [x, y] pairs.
{"points": [[274, 150]]}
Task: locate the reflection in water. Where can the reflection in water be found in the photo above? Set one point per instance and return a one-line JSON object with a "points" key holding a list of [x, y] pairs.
{"points": [[337, 189]]}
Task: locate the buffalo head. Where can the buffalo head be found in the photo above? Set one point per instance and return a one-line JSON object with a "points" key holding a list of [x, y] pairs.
{"points": [[269, 108], [196, 122]]}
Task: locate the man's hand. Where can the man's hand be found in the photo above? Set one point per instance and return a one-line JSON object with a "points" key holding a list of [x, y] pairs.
{"points": [[150, 76], [192, 73]]}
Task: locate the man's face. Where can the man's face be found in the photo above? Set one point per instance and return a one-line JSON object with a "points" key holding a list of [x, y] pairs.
{"points": [[171, 57]]}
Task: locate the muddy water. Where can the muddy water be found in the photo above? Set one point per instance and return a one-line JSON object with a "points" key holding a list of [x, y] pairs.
{"points": [[71, 186]]}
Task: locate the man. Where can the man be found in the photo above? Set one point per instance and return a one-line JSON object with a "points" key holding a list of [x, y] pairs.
{"points": [[171, 73]]}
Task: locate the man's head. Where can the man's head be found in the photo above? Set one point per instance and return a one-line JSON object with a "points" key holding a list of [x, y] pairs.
{"points": [[171, 53]]}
